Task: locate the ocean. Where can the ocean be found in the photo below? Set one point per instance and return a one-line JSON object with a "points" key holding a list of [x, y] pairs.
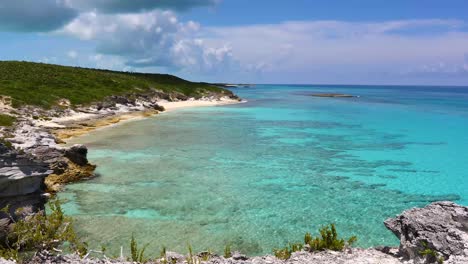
{"points": [[260, 174]]}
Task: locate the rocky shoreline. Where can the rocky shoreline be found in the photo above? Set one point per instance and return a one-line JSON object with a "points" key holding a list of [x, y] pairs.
{"points": [[437, 233], [35, 162]]}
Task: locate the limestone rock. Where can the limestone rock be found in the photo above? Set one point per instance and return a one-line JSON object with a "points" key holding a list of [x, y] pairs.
{"points": [[440, 226], [19, 173], [159, 107], [77, 154], [238, 256]]}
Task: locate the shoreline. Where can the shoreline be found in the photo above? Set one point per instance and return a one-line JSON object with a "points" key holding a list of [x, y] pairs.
{"points": [[80, 123], [44, 134]]}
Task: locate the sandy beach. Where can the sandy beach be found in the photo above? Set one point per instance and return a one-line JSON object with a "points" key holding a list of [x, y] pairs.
{"points": [[81, 123]]}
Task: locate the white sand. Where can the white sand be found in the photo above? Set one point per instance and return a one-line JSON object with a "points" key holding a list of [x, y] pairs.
{"points": [[195, 103], [127, 113]]}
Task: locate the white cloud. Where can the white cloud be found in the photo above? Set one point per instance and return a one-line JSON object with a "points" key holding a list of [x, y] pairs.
{"points": [[48, 15], [72, 54], [33, 15], [147, 39], [133, 6], [325, 51]]}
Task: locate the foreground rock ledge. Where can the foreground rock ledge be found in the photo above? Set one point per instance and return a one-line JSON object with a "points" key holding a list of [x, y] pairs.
{"points": [[441, 227]]}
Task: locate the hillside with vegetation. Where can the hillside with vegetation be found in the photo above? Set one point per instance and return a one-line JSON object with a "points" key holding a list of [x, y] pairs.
{"points": [[43, 85]]}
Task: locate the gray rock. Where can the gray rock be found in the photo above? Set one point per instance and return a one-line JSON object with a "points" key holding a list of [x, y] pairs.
{"points": [[174, 256], [20, 174], [77, 154], [238, 256], [440, 226], [4, 261], [158, 107]]}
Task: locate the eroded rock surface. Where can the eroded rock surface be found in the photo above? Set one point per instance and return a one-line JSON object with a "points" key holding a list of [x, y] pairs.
{"points": [[20, 175], [441, 227]]}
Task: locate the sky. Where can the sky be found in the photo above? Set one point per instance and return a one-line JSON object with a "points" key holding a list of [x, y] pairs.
{"points": [[398, 42]]}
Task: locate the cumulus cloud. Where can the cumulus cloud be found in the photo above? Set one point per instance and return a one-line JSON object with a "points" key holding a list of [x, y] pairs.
{"points": [[33, 15], [153, 38], [113, 6], [48, 15]]}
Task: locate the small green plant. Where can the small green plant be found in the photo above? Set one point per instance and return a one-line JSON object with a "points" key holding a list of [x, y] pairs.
{"points": [[227, 251], [307, 238], [163, 255], [5, 142], [40, 231], [430, 254], [138, 255], [285, 253], [7, 120], [282, 253], [328, 239], [190, 259]]}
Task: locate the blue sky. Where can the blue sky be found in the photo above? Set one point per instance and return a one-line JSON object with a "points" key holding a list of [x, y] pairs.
{"points": [[258, 41]]}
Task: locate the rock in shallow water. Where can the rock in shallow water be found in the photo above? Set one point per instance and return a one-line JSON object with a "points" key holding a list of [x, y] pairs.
{"points": [[77, 154], [440, 226]]}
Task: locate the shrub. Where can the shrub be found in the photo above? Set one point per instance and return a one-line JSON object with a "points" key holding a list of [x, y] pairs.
{"points": [[285, 253], [38, 232], [138, 255], [7, 120], [328, 239]]}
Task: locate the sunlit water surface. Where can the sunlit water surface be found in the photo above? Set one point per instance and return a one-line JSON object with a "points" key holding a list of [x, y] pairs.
{"points": [[260, 174]]}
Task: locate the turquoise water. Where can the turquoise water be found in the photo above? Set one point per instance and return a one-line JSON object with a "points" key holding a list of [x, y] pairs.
{"points": [[260, 174]]}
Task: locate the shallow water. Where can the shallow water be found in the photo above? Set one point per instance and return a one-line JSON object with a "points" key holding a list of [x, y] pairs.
{"points": [[261, 174]]}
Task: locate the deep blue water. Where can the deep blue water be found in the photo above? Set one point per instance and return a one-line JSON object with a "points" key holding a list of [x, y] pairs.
{"points": [[260, 174]]}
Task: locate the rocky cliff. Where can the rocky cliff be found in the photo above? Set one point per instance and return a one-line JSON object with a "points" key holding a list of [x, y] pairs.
{"points": [[21, 179]]}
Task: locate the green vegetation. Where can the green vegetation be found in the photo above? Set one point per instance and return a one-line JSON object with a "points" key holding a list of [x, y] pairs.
{"points": [[138, 255], [37, 232], [54, 231], [190, 259], [7, 120], [431, 255], [285, 253], [227, 251], [44, 85], [328, 240], [6, 143]]}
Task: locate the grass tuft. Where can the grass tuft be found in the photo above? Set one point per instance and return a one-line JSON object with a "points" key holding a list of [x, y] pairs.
{"points": [[7, 120], [138, 255]]}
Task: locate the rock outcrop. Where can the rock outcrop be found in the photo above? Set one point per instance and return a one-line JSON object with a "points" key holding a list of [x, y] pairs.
{"points": [[21, 176], [439, 229], [21, 184]]}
